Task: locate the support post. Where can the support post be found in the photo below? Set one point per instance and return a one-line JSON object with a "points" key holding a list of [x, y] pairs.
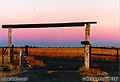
{"points": [[20, 58], [9, 43], [2, 56], [90, 55], [117, 61], [12, 54], [87, 38], [26, 50]]}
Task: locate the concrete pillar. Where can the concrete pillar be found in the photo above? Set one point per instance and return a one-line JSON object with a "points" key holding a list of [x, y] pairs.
{"points": [[87, 38], [9, 43]]}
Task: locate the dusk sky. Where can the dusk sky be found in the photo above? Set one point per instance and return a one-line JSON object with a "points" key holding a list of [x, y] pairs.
{"points": [[105, 33]]}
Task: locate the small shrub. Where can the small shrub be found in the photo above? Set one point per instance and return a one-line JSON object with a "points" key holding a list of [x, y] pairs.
{"points": [[83, 69], [23, 69], [18, 68], [1, 68], [11, 67], [92, 72]]}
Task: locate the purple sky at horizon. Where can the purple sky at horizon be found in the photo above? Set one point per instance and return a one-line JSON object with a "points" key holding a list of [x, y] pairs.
{"points": [[105, 33]]}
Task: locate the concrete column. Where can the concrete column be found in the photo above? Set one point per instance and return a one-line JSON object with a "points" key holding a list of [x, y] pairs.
{"points": [[9, 43], [87, 38]]}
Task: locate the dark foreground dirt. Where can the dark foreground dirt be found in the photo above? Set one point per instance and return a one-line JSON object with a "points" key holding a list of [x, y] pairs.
{"points": [[51, 76]]}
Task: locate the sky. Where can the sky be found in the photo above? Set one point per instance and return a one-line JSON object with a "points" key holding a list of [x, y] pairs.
{"points": [[105, 33]]}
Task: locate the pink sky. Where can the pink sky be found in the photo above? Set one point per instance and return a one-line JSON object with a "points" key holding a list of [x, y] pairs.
{"points": [[105, 12]]}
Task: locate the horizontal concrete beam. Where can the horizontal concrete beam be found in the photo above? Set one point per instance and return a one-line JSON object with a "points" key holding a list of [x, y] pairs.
{"points": [[71, 24]]}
